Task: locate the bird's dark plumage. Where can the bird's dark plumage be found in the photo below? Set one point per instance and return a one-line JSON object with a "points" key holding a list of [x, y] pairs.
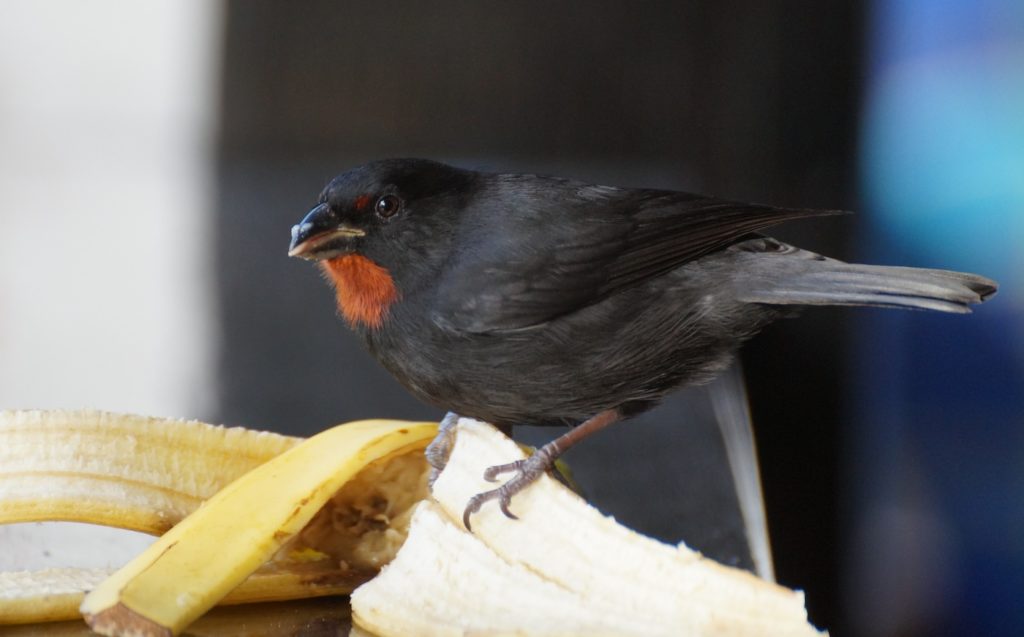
{"points": [[526, 299]]}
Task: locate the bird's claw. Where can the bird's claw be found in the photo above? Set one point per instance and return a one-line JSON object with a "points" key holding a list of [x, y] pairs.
{"points": [[501, 494], [527, 471]]}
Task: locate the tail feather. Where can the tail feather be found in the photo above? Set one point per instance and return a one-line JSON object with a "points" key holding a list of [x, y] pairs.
{"points": [[785, 275]]}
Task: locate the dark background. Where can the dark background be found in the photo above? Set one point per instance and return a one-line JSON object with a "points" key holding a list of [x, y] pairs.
{"points": [[732, 98]]}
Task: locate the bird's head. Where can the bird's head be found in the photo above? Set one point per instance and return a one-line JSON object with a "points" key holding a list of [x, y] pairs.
{"points": [[382, 229]]}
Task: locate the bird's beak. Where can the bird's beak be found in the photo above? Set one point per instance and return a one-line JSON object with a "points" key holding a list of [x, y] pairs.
{"points": [[320, 235]]}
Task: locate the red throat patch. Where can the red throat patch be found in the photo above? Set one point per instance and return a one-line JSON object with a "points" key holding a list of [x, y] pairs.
{"points": [[365, 290]]}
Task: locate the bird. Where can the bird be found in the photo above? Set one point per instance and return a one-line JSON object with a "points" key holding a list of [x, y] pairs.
{"points": [[528, 299]]}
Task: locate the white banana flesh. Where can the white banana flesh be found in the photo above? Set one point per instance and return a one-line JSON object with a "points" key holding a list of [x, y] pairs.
{"points": [[562, 568]]}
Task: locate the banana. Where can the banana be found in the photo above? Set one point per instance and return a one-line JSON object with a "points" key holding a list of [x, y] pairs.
{"points": [[562, 568], [195, 564], [286, 518], [147, 474], [126, 471]]}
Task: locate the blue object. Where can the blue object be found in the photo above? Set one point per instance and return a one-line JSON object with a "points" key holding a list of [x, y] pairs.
{"points": [[940, 428]]}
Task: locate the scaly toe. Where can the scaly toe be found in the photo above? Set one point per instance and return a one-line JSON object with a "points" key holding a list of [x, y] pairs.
{"points": [[491, 473]]}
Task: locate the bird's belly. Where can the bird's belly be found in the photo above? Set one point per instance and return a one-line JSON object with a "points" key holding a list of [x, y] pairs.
{"points": [[627, 351]]}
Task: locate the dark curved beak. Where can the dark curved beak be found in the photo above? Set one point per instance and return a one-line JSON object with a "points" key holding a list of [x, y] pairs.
{"points": [[321, 235]]}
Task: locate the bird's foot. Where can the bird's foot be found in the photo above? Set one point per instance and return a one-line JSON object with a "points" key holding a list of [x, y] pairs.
{"points": [[526, 473], [440, 447]]}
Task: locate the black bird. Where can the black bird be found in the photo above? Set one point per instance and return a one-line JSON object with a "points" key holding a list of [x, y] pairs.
{"points": [[529, 299]]}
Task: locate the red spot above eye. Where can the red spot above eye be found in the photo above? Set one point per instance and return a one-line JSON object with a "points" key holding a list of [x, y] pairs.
{"points": [[362, 201]]}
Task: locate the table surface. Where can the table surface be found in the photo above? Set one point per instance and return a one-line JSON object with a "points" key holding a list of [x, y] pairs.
{"points": [[324, 617]]}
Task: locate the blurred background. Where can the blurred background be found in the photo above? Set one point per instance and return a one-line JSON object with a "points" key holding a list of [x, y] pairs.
{"points": [[154, 154]]}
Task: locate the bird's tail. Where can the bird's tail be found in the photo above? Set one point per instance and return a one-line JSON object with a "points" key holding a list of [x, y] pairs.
{"points": [[781, 274], [729, 402]]}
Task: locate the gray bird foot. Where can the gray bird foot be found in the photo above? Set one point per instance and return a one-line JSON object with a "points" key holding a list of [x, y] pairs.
{"points": [[526, 473], [440, 447]]}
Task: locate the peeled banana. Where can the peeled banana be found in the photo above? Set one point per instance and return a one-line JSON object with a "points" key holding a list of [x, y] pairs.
{"points": [[563, 568]]}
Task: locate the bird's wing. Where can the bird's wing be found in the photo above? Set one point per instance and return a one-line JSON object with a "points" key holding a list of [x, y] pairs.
{"points": [[543, 257]]}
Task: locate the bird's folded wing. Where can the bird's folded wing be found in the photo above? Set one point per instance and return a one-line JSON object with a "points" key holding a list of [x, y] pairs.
{"points": [[540, 261]]}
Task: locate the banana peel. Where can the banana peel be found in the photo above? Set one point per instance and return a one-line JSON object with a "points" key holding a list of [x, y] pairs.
{"points": [[562, 568], [148, 474], [120, 470], [191, 567]]}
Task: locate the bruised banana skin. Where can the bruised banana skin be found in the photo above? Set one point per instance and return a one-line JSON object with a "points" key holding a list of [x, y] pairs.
{"points": [[562, 568], [195, 564]]}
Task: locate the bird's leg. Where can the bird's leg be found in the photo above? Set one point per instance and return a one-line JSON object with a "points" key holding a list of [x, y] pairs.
{"points": [[440, 447], [527, 471]]}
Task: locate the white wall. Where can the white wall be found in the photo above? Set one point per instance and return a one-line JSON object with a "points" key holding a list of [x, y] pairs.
{"points": [[107, 113]]}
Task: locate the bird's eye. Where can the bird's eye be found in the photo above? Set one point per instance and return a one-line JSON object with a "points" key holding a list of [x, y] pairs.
{"points": [[387, 205]]}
